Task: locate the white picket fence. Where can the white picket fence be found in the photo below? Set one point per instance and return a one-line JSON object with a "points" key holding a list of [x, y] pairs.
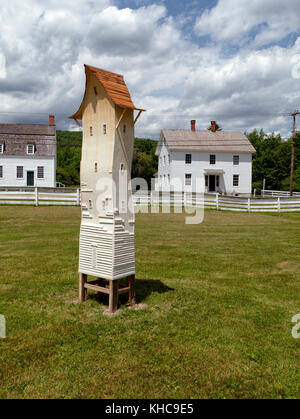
{"points": [[278, 193], [39, 196], [42, 196], [219, 202]]}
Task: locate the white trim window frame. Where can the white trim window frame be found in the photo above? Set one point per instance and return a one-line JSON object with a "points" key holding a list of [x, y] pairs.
{"points": [[41, 172], [20, 172], [188, 179], [236, 180], [188, 158], [30, 149], [236, 160]]}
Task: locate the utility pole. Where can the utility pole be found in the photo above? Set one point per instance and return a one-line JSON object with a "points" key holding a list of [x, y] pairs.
{"points": [[293, 114]]}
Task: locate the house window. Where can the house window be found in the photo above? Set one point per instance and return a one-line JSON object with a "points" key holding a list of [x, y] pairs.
{"points": [[19, 172], [206, 180], [124, 129], [30, 148], [104, 129], [217, 181], [1, 171], [95, 90], [236, 160], [40, 172], [236, 180], [96, 167], [91, 131], [188, 159], [212, 159], [1, 148], [188, 179]]}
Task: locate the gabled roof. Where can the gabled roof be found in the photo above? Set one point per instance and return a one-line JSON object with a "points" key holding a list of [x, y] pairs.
{"points": [[17, 136], [114, 86], [222, 141]]}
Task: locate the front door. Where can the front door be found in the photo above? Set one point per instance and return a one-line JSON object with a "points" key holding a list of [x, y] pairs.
{"points": [[30, 178], [212, 183]]}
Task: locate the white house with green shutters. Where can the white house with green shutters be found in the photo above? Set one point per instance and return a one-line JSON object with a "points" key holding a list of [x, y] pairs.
{"points": [[28, 155]]}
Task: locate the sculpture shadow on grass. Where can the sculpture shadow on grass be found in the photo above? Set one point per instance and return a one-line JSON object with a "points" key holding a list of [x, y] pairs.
{"points": [[144, 288]]}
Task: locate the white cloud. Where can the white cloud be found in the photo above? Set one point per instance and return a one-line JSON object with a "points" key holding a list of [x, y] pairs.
{"points": [[46, 45], [233, 20]]}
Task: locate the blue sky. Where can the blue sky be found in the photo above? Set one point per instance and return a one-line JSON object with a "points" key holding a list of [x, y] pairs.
{"points": [[234, 61]]}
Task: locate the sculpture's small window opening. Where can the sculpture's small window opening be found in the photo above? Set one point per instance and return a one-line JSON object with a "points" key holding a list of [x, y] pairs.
{"points": [[103, 205], [236, 180], [19, 172], [169, 159], [212, 159], [122, 167], [188, 179], [30, 148], [123, 206], [188, 159], [96, 167], [40, 172], [236, 160], [104, 129], [1, 171], [95, 90], [164, 160], [1, 148], [124, 129], [90, 204], [91, 131]]}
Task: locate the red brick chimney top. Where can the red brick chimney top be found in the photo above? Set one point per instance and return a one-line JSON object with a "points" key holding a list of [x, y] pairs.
{"points": [[51, 120], [213, 126], [193, 125]]}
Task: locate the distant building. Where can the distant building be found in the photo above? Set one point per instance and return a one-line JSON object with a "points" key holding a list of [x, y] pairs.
{"points": [[221, 159], [28, 154]]}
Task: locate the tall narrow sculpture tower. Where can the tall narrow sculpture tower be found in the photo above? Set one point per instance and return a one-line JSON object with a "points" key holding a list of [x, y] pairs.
{"points": [[106, 248]]}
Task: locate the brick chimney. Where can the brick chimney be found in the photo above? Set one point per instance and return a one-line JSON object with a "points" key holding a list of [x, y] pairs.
{"points": [[193, 125], [51, 120], [213, 126]]}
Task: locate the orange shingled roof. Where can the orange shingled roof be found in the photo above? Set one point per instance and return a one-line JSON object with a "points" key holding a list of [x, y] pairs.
{"points": [[115, 87]]}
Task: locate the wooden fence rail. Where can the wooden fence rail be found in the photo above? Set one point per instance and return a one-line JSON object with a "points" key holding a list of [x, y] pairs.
{"points": [[40, 196]]}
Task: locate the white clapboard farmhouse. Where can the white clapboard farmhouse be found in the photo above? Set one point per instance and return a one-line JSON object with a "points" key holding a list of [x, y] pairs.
{"points": [[222, 160], [28, 154]]}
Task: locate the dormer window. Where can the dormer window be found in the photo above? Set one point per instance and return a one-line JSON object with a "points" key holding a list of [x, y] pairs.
{"points": [[30, 148], [104, 129], [1, 148], [91, 131]]}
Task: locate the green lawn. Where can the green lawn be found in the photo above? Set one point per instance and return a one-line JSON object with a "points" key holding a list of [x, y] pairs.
{"points": [[216, 302]]}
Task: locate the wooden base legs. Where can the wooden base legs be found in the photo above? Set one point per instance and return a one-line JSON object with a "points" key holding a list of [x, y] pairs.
{"points": [[115, 289], [113, 296], [82, 290]]}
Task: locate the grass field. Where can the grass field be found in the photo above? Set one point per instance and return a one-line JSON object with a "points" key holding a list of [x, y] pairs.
{"points": [[214, 320]]}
